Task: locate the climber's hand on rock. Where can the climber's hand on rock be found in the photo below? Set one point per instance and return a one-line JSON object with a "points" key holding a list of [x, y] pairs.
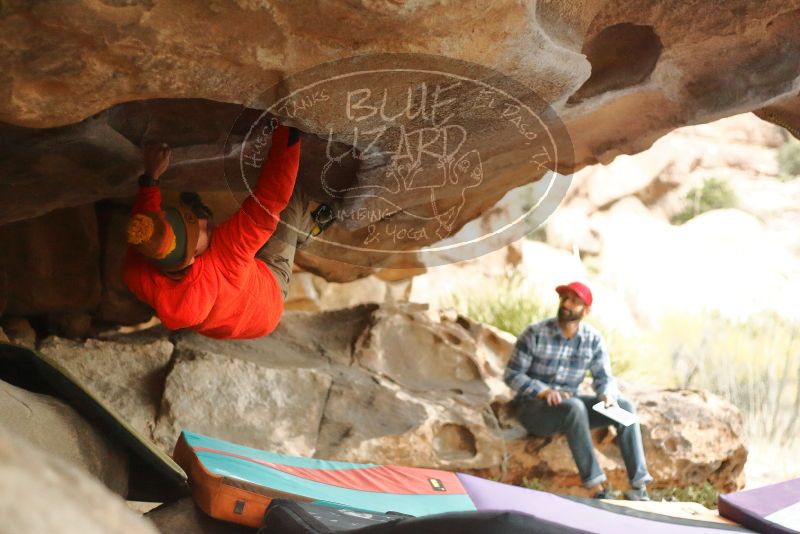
{"points": [[156, 159]]}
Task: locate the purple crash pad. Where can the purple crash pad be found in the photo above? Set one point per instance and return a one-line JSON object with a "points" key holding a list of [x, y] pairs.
{"points": [[574, 515], [771, 509]]}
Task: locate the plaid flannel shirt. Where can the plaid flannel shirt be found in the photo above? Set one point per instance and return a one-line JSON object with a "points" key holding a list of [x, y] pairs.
{"points": [[543, 358]]}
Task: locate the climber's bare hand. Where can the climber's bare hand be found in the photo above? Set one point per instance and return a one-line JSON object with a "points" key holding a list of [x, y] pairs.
{"points": [[156, 159]]}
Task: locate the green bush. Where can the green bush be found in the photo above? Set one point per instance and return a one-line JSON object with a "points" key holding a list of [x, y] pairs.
{"points": [[753, 362], [533, 483], [706, 495], [789, 159], [713, 194], [507, 304]]}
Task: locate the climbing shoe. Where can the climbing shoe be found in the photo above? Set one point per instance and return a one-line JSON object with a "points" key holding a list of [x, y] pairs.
{"points": [[605, 493]]}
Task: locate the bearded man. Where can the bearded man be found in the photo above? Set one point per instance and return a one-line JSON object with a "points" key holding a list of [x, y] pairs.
{"points": [[548, 363]]}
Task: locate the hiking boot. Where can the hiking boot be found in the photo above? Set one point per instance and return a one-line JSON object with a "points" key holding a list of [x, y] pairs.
{"points": [[637, 494], [604, 493]]}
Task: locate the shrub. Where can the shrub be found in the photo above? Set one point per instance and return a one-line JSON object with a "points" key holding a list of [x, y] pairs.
{"points": [[533, 483], [706, 495], [788, 157], [507, 304], [713, 194], [754, 363]]}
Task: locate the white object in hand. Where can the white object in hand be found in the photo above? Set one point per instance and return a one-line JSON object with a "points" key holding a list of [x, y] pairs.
{"points": [[621, 416]]}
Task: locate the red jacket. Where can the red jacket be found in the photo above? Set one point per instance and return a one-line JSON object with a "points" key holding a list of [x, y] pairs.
{"points": [[226, 292]]}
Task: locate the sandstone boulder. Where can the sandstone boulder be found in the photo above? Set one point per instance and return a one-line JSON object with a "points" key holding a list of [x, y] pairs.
{"points": [[52, 263], [42, 493], [703, 443], [58, 430], [698, 437], [240, 401], [420, 352], [425, 430], [129, 376]]}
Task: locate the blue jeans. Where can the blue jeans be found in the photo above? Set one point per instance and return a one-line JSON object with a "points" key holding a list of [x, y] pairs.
{"points": [[575, 418]]}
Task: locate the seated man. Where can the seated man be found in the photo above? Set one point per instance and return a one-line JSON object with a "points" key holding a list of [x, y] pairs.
{"points": [[548, 363], [230, 282]]}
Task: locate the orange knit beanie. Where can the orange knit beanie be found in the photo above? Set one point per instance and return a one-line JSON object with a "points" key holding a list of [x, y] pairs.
{"points": [[151, 234]]}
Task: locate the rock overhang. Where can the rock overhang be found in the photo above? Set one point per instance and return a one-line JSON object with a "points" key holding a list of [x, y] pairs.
{"points": [[88, 83]]}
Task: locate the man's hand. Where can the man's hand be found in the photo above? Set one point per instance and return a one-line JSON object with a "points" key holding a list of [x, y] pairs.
{"points": [[608, 401], [553, 397], [156, 159]]}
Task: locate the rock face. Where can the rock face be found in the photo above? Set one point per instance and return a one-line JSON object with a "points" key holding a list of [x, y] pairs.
{"points": [[618, 74], [682, 429], [618, 217], [41, 493], [392, 384], [130, 376], [278, 409], [52, 263], [117, 304], [50, 425], [308, 292]]}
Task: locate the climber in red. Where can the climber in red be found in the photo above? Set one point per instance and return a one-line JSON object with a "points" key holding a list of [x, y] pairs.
{"points": [[230, 282]]}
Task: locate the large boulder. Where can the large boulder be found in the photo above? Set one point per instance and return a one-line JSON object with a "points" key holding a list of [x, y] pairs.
{"points": [[129, 376], [441, 399], [57, 429], [42, 493], [692, 437], [237, 400]]}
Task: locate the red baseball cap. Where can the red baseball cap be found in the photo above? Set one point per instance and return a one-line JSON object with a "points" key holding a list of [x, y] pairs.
{"points": [[582, 290]]}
